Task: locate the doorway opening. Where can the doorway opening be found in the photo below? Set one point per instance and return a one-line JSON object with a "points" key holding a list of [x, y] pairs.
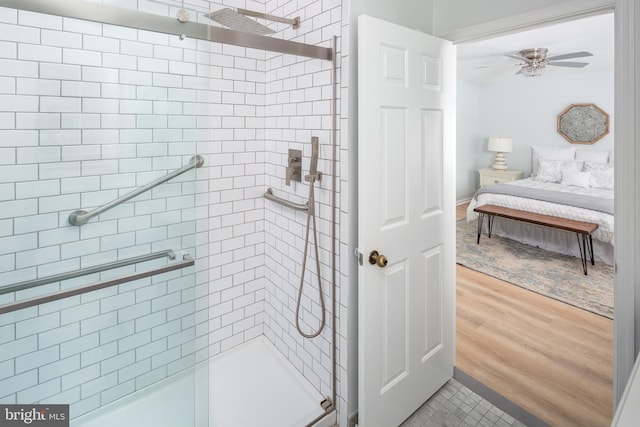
{"points": [[512, 340]]}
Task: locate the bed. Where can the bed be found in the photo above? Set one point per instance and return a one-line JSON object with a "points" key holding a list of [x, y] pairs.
{"points": [[565, 182]]}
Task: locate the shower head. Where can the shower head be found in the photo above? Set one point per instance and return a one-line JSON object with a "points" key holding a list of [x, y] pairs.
{"points": [[236, 21]]}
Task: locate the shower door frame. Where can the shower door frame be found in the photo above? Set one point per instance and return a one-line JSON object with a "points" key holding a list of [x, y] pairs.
{"points": [[104, 14], [145, 21]]}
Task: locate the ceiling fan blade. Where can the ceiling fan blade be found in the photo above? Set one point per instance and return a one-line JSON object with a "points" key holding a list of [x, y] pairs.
{"points": [[519, 71], [500, 65], [570, 56], [569, 64], [519, 58]]}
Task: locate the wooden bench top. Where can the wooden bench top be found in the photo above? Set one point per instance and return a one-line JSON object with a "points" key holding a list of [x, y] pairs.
{"points": [[539, 219]]}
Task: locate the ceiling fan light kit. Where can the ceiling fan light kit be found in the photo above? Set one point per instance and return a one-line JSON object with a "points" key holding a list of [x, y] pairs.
{"points": [[532, 70], [536, 62]]}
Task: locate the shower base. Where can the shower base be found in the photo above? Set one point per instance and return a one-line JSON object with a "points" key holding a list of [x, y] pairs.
{"points": [[249, 385]]}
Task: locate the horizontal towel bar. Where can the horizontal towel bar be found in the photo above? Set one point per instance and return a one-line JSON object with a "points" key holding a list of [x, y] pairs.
{"points": [[81, 217], [187, 261], [270, 196], [84, 271]]}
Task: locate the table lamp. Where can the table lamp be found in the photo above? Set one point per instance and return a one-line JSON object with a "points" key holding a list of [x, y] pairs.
{"points": [[500, 145]]}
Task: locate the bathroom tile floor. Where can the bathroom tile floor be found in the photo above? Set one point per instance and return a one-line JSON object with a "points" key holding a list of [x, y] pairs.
{"points": [[456, 405]]}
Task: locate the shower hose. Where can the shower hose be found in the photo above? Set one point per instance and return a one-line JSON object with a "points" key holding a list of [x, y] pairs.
{"points": [[311, 216]]}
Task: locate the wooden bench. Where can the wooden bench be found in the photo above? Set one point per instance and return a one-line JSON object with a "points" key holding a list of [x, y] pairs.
{"points": [[582, 229]]}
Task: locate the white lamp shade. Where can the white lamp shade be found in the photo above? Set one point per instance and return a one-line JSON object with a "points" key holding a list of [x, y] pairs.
{"points": [[500, 144]]}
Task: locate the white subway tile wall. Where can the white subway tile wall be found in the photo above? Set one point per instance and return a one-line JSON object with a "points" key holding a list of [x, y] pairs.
{"points": [[297, 107], [120, 107], [84, 119], [264, 104]]}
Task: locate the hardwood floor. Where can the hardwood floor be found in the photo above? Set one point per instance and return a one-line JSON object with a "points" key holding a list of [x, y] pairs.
{"points": [[550, 358], [461, 211]]}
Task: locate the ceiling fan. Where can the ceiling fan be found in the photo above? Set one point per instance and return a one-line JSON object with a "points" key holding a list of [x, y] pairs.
{"points": [[535, 60]]}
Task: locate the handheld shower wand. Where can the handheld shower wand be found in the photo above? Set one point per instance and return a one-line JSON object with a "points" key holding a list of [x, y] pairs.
{"points": [[313, 176], [313, 166]]}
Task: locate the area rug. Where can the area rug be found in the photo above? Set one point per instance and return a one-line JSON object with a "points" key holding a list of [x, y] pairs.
{"points": [[554, 275]]}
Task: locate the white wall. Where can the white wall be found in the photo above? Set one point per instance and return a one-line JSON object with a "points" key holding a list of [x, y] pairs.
{"points": [[469, 138], [525, 109]]}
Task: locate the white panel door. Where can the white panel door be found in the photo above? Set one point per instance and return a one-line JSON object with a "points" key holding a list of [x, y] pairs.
{"points": [[406, 201]]}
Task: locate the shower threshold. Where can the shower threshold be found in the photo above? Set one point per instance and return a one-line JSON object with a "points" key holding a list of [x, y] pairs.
{"points": [[249, 385]]}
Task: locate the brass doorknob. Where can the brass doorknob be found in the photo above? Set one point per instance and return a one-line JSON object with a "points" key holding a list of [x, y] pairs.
{"points": [[376, 259]]}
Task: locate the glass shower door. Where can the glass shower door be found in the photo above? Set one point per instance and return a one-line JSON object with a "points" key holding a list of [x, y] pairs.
{"points": [[91, 113]]}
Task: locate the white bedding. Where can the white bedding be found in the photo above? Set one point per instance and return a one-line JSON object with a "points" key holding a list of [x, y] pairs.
{"points": [[548, 238]]}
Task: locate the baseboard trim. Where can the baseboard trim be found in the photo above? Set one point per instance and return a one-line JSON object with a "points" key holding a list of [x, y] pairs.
{"points": [[463, 201], [498, 400]]}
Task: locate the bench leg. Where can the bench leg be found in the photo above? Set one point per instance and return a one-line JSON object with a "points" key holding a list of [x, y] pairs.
{"points": [[583, 245], [490, 224], [591, 250], [490, 219], [480, 219]]}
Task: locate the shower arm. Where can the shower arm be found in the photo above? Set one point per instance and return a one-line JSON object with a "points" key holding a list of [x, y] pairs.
{"points": [[295, 22]]}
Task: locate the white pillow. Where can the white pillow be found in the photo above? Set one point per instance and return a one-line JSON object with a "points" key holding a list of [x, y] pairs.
{"points": [[549, 153], [597, 166], [601, 174], [592, 155], [551, 170], [577, 178]]}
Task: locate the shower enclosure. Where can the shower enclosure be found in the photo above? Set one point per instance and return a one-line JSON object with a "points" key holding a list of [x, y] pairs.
{"points": [[144, 268]]}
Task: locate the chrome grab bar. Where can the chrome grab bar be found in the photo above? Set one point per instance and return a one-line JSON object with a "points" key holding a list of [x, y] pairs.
{"points": [[187, 261], [270, 196], [81, 217]]}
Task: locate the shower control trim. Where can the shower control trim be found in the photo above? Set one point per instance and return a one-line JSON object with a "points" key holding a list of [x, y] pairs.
{"points": [[294, 167]]}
